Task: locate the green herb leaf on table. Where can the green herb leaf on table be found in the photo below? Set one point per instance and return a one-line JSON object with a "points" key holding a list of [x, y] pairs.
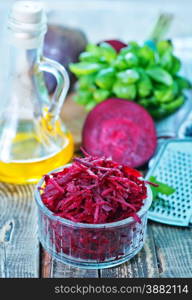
{"points": [[162, 188]]}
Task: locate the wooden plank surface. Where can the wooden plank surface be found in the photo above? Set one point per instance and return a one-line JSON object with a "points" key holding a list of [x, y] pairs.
{"points": [[167, 253], [144, 264], [174, 250], [51, 268], [19, 246]]}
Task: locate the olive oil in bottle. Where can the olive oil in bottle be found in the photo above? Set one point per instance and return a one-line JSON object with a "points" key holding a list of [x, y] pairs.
{"points": [[33, 139]]}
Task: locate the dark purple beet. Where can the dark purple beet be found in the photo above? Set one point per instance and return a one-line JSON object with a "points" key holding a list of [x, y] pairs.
{"points": [[64, 45], [121, 129]]}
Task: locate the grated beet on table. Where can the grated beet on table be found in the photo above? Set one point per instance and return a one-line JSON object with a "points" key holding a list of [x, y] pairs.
{"points": [[94, 191]]}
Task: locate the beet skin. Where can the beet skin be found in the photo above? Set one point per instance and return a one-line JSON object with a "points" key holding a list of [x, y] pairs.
{"points": [[116, 44]]}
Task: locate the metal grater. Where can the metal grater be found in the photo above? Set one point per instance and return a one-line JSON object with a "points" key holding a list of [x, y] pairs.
{"points": [[173, 165]]}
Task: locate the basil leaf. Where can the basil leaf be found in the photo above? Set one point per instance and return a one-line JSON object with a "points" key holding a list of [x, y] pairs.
{"points": [[176, 65], [86, 81], [166, 61], [124, 91], [131, 60], [128, 76], [105, 78], [90, 105], [144, 86], [167, 94], [164, 46], [160, 75], [108, 52], [183, 83], [88, 57], [85, 68], [99, 95], [93, 49], [162, 188], [120, 63], [83, 97], [173, 105], [146, 55]]}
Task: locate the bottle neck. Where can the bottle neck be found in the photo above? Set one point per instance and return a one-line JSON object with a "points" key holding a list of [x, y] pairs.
{"points": [[23, 61], [25, 84]]}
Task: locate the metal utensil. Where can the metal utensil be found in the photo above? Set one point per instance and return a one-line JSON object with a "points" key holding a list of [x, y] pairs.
{"points": [[173, 166]]}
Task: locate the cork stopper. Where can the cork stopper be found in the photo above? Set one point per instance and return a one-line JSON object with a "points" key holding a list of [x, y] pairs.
{"points": [[27, 23]]}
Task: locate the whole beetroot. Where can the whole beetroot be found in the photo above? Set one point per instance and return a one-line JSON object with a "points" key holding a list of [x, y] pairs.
{"points": [[120, 129], [63, 44]]}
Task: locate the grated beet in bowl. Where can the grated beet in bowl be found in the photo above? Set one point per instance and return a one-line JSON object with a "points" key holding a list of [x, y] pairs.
{"points": [[93, 213]]}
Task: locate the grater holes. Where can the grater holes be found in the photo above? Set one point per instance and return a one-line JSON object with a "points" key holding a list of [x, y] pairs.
{"points": [[172, 168]]}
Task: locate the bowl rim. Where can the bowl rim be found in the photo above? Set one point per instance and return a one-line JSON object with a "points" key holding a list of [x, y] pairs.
{"points": [[50, 214]]}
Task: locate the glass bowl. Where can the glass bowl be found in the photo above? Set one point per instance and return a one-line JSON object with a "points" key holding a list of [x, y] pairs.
{"points": [[91, 246]]}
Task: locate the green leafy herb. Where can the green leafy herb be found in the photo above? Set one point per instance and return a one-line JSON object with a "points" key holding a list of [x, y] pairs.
{"points": [[147, 74]]}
